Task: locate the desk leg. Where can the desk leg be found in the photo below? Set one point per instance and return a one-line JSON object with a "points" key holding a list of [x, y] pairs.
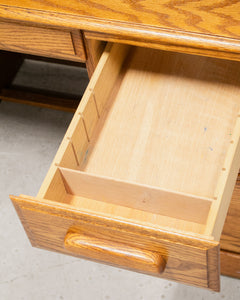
{"points": [[9, 65], [230, 264], [230, 239], [94, 50]]}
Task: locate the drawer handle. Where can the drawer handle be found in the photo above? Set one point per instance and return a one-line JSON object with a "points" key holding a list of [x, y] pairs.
{"points": [[115, 253]]}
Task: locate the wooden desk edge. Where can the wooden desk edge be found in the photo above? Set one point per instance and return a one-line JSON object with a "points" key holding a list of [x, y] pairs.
{"points": [[130, 33]]}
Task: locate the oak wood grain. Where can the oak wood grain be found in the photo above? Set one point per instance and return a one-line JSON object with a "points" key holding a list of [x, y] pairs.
{"points": [[41, 41], [78, 45], [113, 252], [204, 16], [94, 50], [230, 263], [162, 39], [202, 27], [189, 260], [230, 239]]}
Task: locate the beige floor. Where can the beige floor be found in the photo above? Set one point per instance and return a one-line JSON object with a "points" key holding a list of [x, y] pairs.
{"points": [[29, 138]]}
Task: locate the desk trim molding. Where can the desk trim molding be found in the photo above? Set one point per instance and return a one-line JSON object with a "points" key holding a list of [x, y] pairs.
{"points": [[130, 33]]}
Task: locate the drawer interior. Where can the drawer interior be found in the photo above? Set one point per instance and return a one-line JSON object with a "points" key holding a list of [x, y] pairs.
{"points": [[155, 139]]}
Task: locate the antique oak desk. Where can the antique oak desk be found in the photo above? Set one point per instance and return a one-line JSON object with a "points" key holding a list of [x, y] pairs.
{"points": [[145, 173]]}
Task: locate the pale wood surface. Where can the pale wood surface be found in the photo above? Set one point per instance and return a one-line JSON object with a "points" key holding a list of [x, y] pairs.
{"points": [[225, 185], [138, 217], [106, 71], [59, 191], [41, 41], [79, 141], [143, 197], [205, 27], [169, 124], [191, 116], [90, 116], [68, 158]]}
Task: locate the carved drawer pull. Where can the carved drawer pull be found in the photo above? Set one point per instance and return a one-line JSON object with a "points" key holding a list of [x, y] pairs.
{"points": [[115, 253]]}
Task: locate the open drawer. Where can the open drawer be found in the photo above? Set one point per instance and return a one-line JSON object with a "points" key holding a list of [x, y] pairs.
{"points": [[145, 173]]}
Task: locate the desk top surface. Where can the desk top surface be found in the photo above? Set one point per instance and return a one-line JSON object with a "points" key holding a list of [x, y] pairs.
{"points": [[186, 21], [205, 16]]}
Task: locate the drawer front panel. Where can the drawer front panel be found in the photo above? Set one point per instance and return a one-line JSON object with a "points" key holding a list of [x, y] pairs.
{"points": [[188, 260], [42, 41]]}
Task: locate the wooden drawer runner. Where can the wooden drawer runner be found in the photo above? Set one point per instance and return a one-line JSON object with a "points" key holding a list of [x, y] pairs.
{"points": [[42, 41], [145, 173]]}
